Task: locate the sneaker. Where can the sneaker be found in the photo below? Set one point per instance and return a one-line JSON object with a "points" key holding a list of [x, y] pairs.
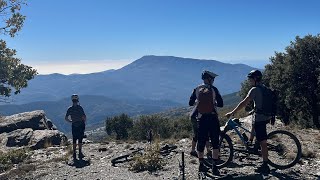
{"points": [[263, 169], [203, 168], [194, 153], [81, 155], [215, 170]]}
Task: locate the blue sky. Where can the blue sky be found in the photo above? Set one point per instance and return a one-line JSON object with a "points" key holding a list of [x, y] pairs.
{"points": [[77, 36]]}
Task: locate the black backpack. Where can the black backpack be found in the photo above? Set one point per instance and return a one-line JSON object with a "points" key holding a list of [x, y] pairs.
{"points": [[269, 101]]}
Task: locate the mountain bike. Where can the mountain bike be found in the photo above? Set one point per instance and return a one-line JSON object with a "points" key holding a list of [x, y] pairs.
{"points": [[284, 148]]}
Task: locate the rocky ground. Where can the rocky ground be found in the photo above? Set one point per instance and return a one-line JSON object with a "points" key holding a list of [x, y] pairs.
{"points": [[50, 163]]}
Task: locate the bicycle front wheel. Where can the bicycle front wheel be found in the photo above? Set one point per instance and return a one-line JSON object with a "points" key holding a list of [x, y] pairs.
{"points": [[284, 149], [226, 151]]}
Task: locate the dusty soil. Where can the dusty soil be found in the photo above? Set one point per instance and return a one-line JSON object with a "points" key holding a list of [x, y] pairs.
{"points": [[49, 163]]}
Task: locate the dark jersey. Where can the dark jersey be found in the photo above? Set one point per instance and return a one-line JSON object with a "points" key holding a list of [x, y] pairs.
{"points": [[76, 113]]}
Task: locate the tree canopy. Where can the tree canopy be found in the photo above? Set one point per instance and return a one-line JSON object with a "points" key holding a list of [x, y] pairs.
{"points": [[13, 74], [119, 125], [295, 75]]}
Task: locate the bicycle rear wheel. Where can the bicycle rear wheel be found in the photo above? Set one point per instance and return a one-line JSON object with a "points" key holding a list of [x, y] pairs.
{"points": [[226, 151], [284, 149], [125, 158]]}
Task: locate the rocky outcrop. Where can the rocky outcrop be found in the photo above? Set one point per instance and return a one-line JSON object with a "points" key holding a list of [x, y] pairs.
{"points": [[45, 138], [19, 137], [35, 120], [30, 129]]}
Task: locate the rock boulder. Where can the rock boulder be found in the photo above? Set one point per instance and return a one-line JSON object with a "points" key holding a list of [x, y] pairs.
{"points": [[31, 129]]}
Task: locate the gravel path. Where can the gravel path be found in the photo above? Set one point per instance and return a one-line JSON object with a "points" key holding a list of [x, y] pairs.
{"points": [[97, 163]]}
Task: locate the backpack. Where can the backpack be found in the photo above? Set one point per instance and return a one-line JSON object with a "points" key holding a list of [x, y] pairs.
{"points": [[269, 102], [205, 100]]}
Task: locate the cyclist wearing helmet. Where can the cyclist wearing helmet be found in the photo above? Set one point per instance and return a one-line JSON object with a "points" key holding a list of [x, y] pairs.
{"points": [[206, 99], [77, 117], [259, 120]]}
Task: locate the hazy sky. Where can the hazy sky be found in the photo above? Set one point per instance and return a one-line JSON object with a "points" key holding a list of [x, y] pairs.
{"points": [[77, 36]]}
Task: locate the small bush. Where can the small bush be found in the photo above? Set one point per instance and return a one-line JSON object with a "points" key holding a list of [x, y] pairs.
{"points": [[47, 143], [128, 146], [150, 161], [182, 134], [12, 157], [306, 153]]}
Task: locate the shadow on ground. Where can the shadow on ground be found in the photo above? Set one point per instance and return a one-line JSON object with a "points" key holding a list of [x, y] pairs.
{"points": [[79, 163]]}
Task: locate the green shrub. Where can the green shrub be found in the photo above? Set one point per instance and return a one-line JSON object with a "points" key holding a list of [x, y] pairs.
{"points": [[161, 127], [12, 157], [150, 161]]}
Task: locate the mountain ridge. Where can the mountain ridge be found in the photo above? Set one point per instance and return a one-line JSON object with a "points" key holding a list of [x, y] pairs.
{"points": [[97, 108], [149, 77]]}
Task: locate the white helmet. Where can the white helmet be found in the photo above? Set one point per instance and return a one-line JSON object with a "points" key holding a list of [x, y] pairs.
{"points": [[75, 97]]}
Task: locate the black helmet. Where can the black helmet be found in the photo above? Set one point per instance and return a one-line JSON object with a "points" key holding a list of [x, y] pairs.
{"points": [[255, 74], [75, 97], [207, 74]]}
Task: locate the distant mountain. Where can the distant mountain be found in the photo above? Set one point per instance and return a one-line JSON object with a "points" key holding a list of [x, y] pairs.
{"points": [[150, 77], [97, 109], [229, 100]]}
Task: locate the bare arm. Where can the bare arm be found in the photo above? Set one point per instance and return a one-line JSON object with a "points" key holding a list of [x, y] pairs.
{"points": [[84, 118], [241, 105], [67, 119]]}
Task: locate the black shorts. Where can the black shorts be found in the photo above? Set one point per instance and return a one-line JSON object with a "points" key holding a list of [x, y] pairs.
{"points": [[261, 130], [208, 126], [78, 131]]}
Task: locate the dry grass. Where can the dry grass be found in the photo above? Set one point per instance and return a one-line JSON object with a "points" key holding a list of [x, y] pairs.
{"points": [[118, 142], [150, 161], [47, 144], [317, 138], [169, 141], [65, 158], [128, 146], [7, 160], [307, 153], [20, 171], [131, 141], [194, 161], [291, 155]]}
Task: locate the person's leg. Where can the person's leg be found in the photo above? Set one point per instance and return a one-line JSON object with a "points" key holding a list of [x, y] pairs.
{"points": [[81, 155], [80, 145], [74, 142], [264, 150], [193, 145], [202, 137], [195, 133], [195, 127], [208, 147], [74, 148], [261, 135], [214, 136], [252, 134], [81, 130]]}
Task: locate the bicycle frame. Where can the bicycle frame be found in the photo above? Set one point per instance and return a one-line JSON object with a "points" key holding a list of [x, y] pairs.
{"points": [[232, 125]]}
